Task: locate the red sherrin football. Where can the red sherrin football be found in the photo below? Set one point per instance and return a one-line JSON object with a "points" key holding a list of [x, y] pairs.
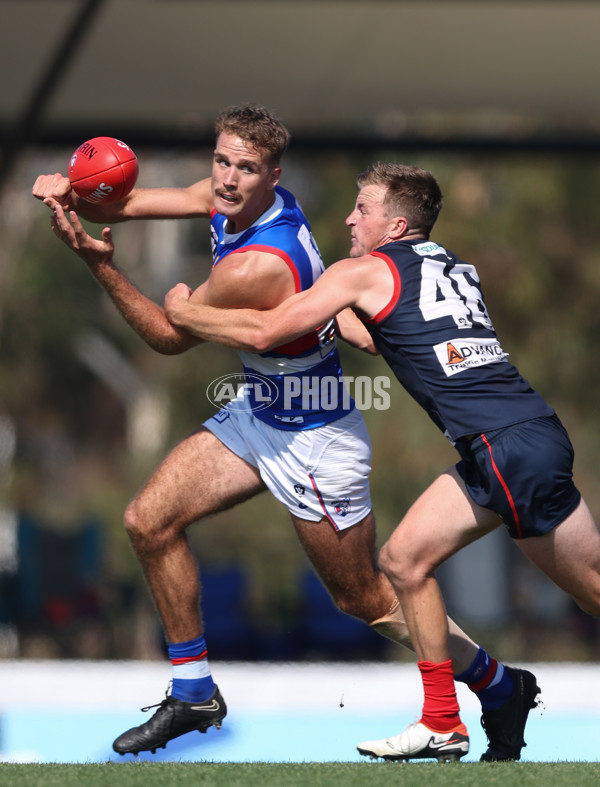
{"points": [[103, 169]]}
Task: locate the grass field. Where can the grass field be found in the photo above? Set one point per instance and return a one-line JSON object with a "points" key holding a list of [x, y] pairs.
{"points": [[414, 774], [285, 727]]}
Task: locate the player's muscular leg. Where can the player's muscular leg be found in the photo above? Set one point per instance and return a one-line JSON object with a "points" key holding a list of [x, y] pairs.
{"points": [[200, 476], [346, 563], [443, 520], [570, 556]]}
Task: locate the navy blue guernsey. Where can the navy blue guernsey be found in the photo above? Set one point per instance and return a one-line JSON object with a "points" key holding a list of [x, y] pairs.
{"points": [[437, 337]]}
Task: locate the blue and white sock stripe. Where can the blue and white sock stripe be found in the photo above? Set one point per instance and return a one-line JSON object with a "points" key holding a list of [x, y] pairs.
{"points": [[190, 669]]}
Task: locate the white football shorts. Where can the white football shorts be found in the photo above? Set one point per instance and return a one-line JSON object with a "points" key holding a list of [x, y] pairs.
{"points": [[314, 473]]}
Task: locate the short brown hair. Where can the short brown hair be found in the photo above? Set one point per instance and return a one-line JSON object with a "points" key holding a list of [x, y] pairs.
{"points": [[257, 127], [411, 192]]}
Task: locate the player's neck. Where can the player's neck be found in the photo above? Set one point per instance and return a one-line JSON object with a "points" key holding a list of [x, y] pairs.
{"points": [[237, 224]]}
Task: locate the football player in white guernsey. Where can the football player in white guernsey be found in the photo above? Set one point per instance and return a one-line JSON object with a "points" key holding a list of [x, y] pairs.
{"points": [[235, 455]]}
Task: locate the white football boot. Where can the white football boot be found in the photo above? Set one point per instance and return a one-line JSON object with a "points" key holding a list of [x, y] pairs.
{"points": [[417, 741]]}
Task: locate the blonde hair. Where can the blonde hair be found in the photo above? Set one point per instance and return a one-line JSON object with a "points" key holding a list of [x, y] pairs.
{"points": [[257, 127]]}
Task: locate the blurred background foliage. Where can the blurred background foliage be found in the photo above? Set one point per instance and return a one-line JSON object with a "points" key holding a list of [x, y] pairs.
{"points": [[86, 411]]}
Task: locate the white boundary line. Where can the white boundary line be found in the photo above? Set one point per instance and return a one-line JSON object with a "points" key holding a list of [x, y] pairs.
{"points": [[267, 686]]}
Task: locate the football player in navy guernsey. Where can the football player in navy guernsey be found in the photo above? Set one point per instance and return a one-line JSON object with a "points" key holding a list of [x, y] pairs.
{"points": [[263, 253], [425, 311]]}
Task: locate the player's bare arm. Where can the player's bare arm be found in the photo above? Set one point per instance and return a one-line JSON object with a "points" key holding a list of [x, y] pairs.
{"points": [[145, 316], [159, 203], [253, 280], [353, 331], [363, 284]]}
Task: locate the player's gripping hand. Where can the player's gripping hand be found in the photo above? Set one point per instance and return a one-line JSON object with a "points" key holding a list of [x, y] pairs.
{"points": [[178, 296], [71, 232], [55, 186]]}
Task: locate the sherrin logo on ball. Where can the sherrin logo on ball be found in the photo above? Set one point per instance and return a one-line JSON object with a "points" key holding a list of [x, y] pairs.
{"points": [[102, 170]]}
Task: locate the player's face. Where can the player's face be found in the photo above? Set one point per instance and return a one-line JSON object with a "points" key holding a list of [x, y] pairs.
{"points": [[243, 181], [369, 222]]}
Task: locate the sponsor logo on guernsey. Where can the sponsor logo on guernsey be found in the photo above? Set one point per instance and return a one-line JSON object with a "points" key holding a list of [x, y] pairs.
{"points": [[459, 355], [428, 249]]}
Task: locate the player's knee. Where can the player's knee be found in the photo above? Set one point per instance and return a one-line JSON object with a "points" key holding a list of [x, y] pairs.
{"points": [[403, 572], [392, 564], [141, 528], [133, 522]]}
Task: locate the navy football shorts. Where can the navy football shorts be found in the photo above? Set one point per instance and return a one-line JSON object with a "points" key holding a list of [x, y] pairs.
{"points": [[522, 472]]}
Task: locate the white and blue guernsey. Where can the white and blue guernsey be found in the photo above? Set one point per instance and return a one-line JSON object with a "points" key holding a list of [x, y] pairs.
{"points": [[305, 375]]}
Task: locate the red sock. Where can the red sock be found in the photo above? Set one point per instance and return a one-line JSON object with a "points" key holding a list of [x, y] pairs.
{"points": [[440, 708]]}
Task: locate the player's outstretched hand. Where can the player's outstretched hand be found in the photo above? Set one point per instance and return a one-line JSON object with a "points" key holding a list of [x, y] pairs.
{"points": [[71, 232], [56, 186]]}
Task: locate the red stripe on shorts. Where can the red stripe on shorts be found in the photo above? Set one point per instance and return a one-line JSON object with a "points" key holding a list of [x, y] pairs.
{"points": [[320, 498], [505, 487]]}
